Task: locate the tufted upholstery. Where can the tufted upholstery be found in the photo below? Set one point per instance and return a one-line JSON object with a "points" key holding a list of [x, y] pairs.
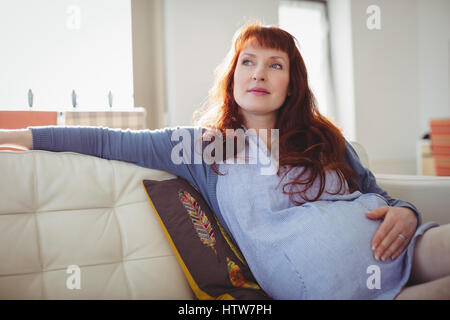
{"points": [[62, 209]]}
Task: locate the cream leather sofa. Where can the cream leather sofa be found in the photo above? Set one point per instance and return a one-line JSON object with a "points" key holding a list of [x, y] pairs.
{"points": [[79, 227]]}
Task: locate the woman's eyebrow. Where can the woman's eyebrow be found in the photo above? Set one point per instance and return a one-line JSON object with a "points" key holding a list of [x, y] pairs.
{"points": [[272, 57]]}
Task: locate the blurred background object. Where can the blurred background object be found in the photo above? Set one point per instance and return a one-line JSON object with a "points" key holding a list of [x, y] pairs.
{"points": [[440, 145]]}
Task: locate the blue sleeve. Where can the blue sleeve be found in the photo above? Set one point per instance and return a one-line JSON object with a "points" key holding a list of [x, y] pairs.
{"points": [[367, 183], [146, 148]]}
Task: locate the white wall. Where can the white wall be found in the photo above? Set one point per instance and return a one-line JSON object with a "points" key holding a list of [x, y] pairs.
{"points": [[434, 60], [198, 35], [386, 81], [400, 75], [54, 47]]}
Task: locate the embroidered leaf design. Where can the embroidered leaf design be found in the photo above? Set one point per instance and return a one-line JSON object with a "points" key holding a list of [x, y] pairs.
{"points": [[199, 219]]}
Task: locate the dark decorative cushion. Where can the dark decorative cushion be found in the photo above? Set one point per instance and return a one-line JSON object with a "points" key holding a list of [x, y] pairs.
{"points": [[211, 262]]}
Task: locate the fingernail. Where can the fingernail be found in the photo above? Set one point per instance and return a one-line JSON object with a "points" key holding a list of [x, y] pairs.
{"points": [[383, 258], [376, 258], [373, 248]]}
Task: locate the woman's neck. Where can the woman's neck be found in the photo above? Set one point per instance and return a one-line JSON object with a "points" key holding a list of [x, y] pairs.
{"points": [[262, 126]]}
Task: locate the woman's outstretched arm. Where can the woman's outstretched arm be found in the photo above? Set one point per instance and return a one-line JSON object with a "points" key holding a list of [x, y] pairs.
{"points": [[146, 148], [152, 149]]}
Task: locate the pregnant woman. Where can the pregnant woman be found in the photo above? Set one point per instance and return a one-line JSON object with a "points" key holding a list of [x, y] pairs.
{"points": [[318, 227]]}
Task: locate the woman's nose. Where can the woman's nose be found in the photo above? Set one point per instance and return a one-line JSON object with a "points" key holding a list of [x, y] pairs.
{"points": [[258, 75]]}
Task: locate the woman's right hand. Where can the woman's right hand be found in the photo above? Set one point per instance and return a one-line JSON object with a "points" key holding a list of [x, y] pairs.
{"points": [[18, 137]]}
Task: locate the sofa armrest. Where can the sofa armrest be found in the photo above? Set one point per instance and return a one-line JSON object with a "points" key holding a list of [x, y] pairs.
{"points": [[431, 195]]}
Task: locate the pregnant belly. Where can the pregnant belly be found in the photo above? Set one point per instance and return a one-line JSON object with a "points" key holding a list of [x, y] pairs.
{"points": [[328, 255]]}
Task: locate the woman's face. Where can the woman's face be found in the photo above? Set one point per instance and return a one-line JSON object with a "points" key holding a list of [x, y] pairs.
{"points": [[261, 81]]}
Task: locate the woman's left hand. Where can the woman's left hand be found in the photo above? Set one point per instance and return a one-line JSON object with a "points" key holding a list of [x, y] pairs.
{"points": [[394, 233]]}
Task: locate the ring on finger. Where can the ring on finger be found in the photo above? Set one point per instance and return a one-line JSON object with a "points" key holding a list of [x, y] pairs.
{"points": [[385, 256]]}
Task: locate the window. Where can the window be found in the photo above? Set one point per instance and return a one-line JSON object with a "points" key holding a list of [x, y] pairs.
{"points": [[306, 20], [57, 47]]}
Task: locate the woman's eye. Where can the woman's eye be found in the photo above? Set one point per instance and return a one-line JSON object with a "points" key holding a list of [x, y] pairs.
{"points": [[278, 66], [245, 62]]}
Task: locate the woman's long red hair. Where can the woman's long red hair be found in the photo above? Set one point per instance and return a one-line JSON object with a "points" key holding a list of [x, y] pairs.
{"points": [[306, 138]]}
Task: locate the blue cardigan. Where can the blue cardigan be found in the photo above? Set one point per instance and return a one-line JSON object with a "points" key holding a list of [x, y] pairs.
{"points": [[153, 149]]}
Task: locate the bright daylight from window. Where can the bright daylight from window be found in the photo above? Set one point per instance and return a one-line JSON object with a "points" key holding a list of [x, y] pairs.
{"points": [[306, 21]]}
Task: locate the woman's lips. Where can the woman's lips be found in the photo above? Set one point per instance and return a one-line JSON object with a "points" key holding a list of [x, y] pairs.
{"points": [[258, 92]]}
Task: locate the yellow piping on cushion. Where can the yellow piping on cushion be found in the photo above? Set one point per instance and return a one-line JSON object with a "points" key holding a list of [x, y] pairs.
{"points": [[225, 296], [194, 286], [235, 250]]}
